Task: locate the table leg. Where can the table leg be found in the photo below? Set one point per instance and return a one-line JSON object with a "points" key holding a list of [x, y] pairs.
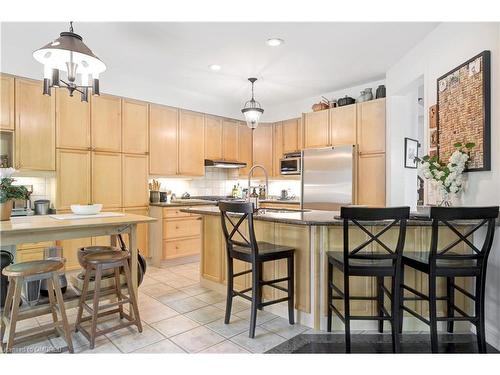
{"points": [[133, 253]]}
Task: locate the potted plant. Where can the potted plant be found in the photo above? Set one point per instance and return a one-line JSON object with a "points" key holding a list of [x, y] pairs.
{"points": [[447, 177], [9, 192]]}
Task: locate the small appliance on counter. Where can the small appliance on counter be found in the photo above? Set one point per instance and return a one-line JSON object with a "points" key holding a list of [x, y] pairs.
{"points": [[42, 206]]}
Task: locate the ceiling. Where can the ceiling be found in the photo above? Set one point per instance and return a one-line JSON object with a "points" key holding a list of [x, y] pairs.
{"points": [[168, 62]]}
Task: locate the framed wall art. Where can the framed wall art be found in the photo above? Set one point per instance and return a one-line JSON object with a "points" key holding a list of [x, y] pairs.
{"points": [[411, 153], [464, 111]]}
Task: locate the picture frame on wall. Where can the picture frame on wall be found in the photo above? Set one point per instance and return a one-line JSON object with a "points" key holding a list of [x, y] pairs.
{"points": [[411, 153], [464, 111]]}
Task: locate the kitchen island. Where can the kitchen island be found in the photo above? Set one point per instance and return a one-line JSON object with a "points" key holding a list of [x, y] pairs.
{"points": [[312, 233]]}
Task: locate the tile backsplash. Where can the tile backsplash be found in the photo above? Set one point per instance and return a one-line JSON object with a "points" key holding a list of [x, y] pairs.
{"points": [[43, 187]]}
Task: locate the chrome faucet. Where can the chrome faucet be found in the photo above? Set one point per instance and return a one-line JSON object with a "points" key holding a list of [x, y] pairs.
{"points": [[250, 177]]}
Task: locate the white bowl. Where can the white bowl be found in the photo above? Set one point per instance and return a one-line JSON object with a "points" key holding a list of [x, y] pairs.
{"points": [[86, 209]]}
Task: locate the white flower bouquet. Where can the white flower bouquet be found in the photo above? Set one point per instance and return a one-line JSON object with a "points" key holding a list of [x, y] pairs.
{"points": [[447, 177]]}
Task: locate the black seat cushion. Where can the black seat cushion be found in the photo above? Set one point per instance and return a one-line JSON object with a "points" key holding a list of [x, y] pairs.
{"points": [[420, 261], [362, 267], [267, 251]]}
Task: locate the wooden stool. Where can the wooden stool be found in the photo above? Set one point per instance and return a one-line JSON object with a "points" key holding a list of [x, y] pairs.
{"points": [[18, 274], [98, 262]]}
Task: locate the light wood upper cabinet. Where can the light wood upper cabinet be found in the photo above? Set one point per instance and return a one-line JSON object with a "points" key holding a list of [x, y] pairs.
{"points": [[230, 140], [191, 144], [35, 127], [278, 141], [263, 148], [134, 127], [6, 102], [72, 121], [343, 125], [73, 178], [107, 179], [213, 138], [316, 129], [163, 136], [371, 180], [291, 130], [245, 146], [135, 180], [371, 126], [106, 123]]}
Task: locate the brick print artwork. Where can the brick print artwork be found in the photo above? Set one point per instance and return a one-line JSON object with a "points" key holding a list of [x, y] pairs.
{"points": [[461, 115]]}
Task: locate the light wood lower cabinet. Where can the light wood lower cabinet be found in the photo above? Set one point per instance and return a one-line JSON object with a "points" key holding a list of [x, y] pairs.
{"points": [[6, 102], [135, 180], [107, 179], [35, 134], [70, 251], [73, 178], [142, 230], [371, 180]]}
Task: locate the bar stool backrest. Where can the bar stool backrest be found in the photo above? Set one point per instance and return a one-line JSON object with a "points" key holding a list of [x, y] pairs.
{"points": [[231, 227], [451, 217], [362, 217]]}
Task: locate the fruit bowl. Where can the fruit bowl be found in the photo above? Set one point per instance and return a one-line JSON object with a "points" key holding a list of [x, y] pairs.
{"points": [[86, 209]]}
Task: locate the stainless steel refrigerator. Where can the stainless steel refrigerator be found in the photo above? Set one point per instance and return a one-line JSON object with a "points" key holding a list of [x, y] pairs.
{"points": [[327, 177]]}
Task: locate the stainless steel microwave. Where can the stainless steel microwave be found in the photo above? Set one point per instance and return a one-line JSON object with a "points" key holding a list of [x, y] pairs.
{"points": [[291, 164]]}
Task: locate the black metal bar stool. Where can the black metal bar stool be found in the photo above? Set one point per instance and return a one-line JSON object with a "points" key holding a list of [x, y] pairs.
{"points": [[448, 264], [95, 263], [360, 261], [18, 274], [256, 253]]}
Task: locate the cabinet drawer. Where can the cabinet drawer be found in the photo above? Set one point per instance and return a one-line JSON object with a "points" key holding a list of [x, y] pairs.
{"points": [[181, 228], [28, 255], [174, 212], [181, 247], [35, 245]]}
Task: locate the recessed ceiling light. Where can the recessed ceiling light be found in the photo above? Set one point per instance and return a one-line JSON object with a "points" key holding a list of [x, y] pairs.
{"points": [[215, 67], [274, 42]]}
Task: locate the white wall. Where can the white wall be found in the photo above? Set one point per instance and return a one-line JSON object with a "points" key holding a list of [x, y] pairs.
{"points": [[444, 48]]}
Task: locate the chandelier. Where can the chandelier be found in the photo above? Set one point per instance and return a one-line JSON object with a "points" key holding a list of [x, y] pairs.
{"points": [[252, 109], [69, 55]]}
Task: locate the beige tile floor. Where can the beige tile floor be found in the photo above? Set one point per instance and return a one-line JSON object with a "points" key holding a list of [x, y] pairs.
{"points": [[179, 316]]}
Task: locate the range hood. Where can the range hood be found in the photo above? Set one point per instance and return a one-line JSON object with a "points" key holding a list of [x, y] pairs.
{"points": [[224, 164]]}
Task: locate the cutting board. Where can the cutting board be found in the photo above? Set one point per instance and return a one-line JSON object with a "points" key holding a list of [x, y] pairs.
{"points": [[77, 217]]}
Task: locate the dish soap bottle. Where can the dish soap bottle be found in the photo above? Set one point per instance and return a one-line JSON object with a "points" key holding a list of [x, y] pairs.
{"points": [[234, 192], [254, 198]]}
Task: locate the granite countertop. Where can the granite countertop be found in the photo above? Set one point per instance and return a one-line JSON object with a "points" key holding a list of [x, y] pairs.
{"points": [[280, 201], [185, 203], [309, 217]]}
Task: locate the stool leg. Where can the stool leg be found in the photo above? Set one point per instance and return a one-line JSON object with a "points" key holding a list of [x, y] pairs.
{"points": [[261, 273], [450, 301], [380, 303], [433, 313], [395, 311], [330, 296], [291, 290], [132, 297], [60, 301], [255, 298], [118, 290], [479, 312], [401, 298], [347, 314], [15, 312], [83, 297], [6, 309], [95, 305], [52, 303], [230, 290]]}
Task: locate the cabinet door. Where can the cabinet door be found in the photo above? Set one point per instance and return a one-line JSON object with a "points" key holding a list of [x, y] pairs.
{"points": [[70, 251], [371, 126], [106, 123], [316, 129], [163, 127], [6, 102], [135, 180], [263, 149], [371, 180], [213, 138], [72, 121], [73, 178], [191, 144], [278, 148], [142, 230], [134, 127], [107, 179], [343, 125], [291, 135], [35, 127], [245, 145], [230, 140]]}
